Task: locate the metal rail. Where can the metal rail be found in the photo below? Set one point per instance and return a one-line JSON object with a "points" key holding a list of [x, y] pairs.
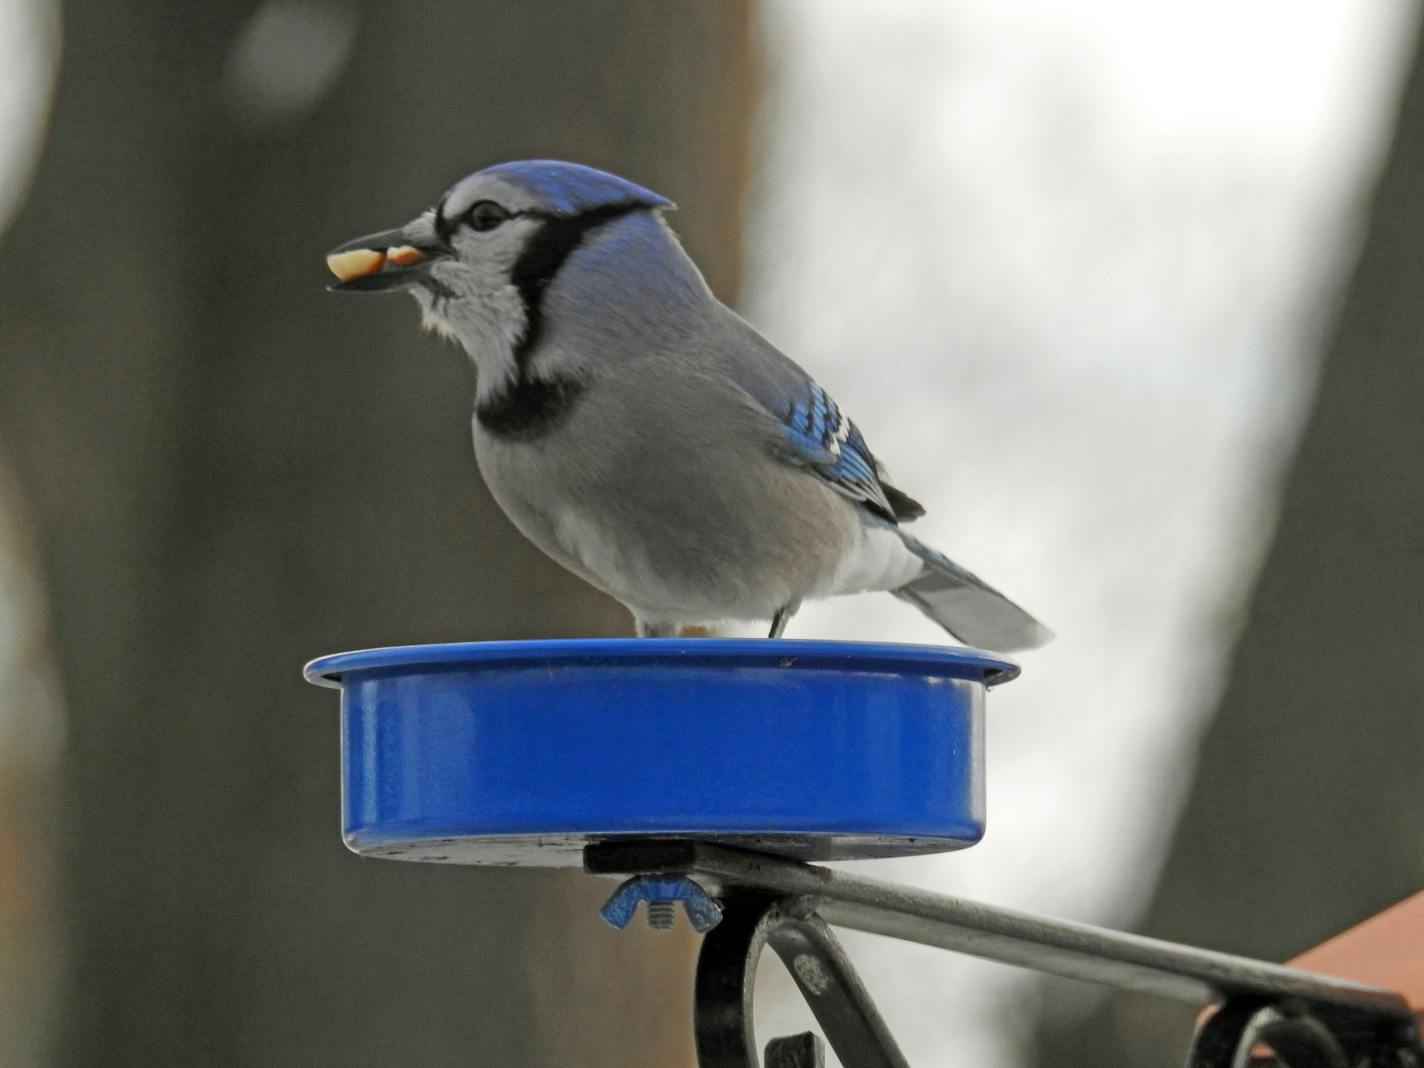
{"points": [[1308, 1020]]}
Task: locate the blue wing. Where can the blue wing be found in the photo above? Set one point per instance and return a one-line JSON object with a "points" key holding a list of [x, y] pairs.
{"points": [[824, 438], [817, 434]]}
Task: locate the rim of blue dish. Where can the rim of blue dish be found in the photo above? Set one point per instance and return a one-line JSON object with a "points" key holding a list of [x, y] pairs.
{"points": [[957, 662]]}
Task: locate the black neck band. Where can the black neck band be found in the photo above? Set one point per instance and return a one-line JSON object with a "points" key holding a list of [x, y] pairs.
{"points": [[529, 407]]}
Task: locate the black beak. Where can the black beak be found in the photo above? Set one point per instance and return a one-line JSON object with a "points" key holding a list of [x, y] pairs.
{"points": [[390, 260]]}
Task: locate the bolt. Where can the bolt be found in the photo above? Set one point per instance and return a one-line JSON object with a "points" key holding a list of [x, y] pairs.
{"points": [[662, 915]]}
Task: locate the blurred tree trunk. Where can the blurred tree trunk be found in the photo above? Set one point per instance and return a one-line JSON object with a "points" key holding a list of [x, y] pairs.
{"points": [[230, 471], [1305, 814]]}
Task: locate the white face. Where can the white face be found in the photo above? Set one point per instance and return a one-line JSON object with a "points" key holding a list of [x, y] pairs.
{"points": [[477, 187], [470, 297]]}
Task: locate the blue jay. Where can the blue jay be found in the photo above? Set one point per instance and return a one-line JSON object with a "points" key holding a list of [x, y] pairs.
{"points": [[642, 433]]}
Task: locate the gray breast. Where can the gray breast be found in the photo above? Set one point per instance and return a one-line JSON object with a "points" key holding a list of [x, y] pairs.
{"points": [[659, 487]]}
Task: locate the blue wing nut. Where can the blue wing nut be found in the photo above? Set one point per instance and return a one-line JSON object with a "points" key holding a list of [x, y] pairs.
{"points": [[662, 892]]}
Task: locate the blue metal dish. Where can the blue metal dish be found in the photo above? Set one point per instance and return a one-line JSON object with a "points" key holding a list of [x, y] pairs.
{"points": [[523, 752]]}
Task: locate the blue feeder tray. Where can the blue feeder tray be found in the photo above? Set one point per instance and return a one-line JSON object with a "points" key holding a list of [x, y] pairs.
{"points": [[524, 752]]}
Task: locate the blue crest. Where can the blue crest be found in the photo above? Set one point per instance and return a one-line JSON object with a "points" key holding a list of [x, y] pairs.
{"points": [[571, 188]]}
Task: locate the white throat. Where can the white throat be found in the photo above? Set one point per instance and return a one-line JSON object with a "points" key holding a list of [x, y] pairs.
{"points": [[486, 320]]}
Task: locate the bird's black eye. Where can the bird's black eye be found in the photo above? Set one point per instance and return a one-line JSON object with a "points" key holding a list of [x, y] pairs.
{"points": [[485, 215]]}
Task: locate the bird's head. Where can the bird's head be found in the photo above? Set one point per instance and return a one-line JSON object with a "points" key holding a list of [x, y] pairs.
{"points": [[480, 260]]}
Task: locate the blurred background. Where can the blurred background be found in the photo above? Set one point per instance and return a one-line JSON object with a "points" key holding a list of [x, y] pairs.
{"points": [[1129, 295]]}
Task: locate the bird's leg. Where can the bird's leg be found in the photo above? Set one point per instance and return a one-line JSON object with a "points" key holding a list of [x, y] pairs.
{"points": [[655, 630], [783, 617]]}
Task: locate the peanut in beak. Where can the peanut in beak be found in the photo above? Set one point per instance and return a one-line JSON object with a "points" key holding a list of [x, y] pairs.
{"points": [[363, 261], [354, 264]]}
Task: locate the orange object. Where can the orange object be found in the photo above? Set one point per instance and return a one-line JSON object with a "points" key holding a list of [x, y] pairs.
{"points": [[1386, 950], [404, 255]]}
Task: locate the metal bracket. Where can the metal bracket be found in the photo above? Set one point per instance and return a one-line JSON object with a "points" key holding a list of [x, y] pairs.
{"points": [[1306, 1020], [1299, 1036], [726, 980]]}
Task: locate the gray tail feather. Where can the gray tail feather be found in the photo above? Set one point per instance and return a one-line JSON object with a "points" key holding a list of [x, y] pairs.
{"points": [[967, 606]]}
